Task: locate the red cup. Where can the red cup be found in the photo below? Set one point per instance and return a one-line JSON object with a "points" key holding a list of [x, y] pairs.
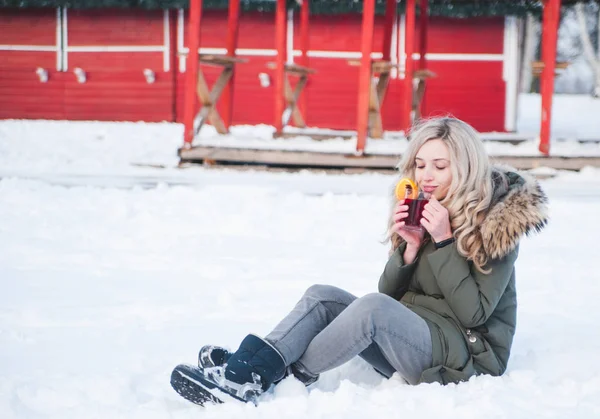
{"points": [[415, 213]]}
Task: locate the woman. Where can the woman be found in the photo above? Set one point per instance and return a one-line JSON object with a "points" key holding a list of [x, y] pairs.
{"points": [[446, 307]]}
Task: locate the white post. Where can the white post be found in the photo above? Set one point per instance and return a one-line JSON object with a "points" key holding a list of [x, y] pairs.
{"points": [[510, 72], [531, 31]]}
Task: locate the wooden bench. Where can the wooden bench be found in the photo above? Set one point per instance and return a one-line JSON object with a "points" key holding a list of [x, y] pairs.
{"points": [[419, 82], [291, 96], [209, 98], [380, 78], [381, 70]]}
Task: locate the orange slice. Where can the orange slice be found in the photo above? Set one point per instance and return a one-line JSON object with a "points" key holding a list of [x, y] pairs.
{"points": [[406, 188]]}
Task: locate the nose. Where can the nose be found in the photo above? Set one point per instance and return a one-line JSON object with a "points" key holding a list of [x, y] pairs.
{"points": [[428, 173]]}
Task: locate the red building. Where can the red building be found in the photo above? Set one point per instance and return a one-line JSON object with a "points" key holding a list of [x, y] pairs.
{"points": [[127, 65]]}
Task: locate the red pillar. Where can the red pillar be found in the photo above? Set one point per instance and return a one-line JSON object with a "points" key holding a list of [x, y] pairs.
{"points": [[174, 63], [304, 46], [280, 45], [232, 37], [423, 22], [408, 68], [390, 17], [364, 78], [549, 39], [191, 72]]}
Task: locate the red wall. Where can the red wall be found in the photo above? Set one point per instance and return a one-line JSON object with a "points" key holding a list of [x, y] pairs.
{"points": [[21, 94], [117, 90]]}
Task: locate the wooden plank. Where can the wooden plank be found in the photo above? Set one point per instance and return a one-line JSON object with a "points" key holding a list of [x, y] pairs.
{"points": [[295, 159], [220, 60], [285, 158]]}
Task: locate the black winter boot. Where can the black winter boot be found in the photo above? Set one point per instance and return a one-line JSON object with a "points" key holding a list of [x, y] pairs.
{"points": [[251, 369], [247, 374]]}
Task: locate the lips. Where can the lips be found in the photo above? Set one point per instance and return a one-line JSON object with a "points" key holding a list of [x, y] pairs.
{"points": [[429, 189]]}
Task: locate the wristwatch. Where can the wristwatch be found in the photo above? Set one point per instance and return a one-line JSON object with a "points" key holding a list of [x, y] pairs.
{"points": [[443, 243]]}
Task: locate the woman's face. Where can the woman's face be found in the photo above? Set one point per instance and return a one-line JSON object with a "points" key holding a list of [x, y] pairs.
{"points": [[432, 168]]}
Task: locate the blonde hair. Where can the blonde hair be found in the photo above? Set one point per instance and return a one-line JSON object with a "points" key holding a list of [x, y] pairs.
{"points": [[470, 193]]}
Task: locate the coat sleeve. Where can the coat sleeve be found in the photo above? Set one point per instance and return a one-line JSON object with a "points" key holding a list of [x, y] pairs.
{"points": [[396, 276], [471, 295]]}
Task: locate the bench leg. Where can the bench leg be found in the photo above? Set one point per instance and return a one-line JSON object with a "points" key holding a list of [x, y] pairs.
{"points": [[375, 122], [208, 99], [292, 111], [418, 99]]}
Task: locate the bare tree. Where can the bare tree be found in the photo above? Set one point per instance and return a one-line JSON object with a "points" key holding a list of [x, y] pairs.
{"points": [[591, 56]]}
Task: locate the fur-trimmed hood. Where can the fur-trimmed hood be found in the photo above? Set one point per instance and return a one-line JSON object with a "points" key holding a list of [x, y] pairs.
{"points": [[519, 207]]}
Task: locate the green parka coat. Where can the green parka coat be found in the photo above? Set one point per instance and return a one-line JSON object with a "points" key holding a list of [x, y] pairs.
{"points": [[471, 315]]}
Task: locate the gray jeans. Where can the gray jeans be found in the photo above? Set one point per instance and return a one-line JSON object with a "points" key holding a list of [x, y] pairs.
{"points": [[330, 326]]}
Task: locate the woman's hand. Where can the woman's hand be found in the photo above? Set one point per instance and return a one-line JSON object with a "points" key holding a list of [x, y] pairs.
{"points": [[436, 221], [413, 239]]}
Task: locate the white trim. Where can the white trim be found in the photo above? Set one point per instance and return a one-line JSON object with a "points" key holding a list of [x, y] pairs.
{"points": [[349, 55], [394, 49], [238, 51], [180, 49], [65, 39], [59, 51], [116, 48], [402, 46], [167, 42], [40, 48], [459, 57], [510, 72], [246, 51], [290, 37]]}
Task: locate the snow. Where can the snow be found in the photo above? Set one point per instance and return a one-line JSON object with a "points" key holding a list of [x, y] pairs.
{"points": [[113, 270]]}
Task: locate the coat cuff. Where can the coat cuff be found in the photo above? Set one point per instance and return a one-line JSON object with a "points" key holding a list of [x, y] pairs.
{"points": [[407, 268], [396, 276]]}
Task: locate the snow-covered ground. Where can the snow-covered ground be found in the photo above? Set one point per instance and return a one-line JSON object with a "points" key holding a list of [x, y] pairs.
{"points": [[113, 271]]}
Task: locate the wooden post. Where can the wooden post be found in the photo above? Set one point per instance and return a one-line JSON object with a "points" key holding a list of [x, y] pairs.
{"points": [[423, 22], [390, 17], [304, 47], [191, 72], [232, 38], [408, 67], [364, 78], [280, 45], [549, 39]]}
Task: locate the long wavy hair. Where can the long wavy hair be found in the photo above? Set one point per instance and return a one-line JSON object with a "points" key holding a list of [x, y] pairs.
{"points": [[470, 193]]}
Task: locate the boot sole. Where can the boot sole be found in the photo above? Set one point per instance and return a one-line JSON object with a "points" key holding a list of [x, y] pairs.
{"points": [[185, 381], [189, 382]]}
